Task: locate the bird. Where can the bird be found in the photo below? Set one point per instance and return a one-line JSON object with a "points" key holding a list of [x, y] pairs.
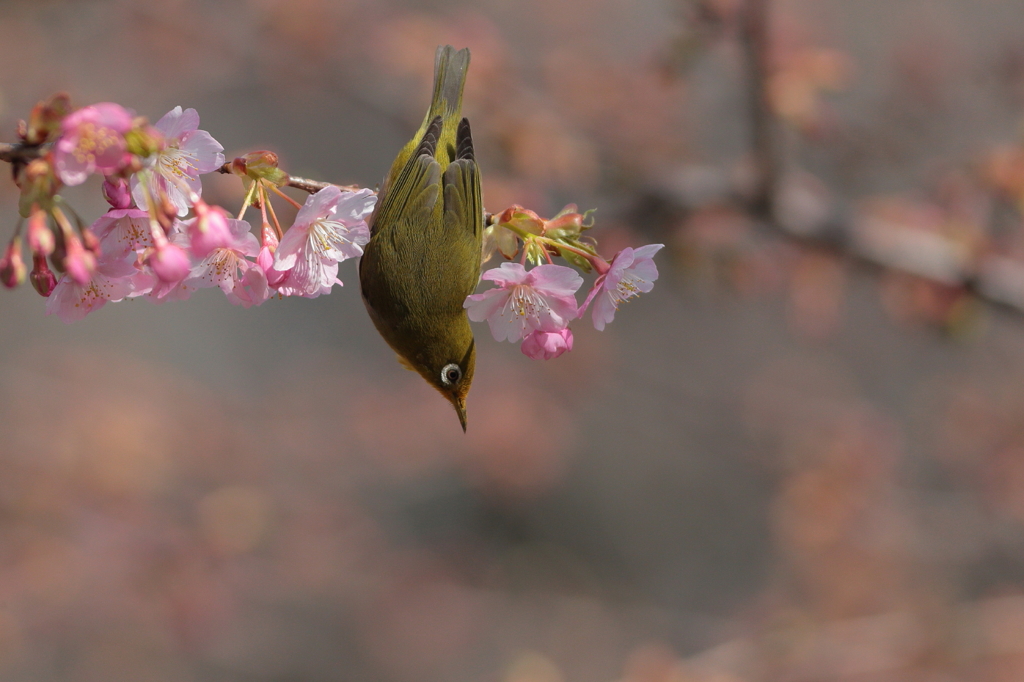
{"points": [[426, 230]]}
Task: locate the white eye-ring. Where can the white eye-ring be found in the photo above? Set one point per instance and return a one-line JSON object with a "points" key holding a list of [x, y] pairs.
{"points": [[451, 374]]}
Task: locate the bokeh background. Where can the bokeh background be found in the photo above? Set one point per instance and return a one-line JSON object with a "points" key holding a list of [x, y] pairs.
{"points": [[800, 458]]}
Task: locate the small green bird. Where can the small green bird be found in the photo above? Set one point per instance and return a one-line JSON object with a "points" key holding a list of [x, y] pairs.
{"points": [[424, 254]]}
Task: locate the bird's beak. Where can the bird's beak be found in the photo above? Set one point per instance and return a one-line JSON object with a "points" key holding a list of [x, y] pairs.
{"points": [[460, 408]]}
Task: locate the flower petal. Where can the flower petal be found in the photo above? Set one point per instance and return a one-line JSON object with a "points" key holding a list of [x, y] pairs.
{"points": [[557, 280], [507, 274], [317, 206], [483, 306], [176, 122], [207, 151]]}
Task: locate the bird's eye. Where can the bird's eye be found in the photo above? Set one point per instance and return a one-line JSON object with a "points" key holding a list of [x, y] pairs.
{"points": [[451, 374]]}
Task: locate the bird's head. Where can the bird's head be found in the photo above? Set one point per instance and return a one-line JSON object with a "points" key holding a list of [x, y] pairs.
{"points": [[448, 366]]}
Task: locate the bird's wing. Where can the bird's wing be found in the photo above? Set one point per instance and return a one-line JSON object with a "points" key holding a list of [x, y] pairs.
{"points": [[413, 193], [463, 200]]}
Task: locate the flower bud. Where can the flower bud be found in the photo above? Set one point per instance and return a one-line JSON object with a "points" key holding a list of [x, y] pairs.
{"points": [[169, 262], [568, 223], [268, 237], [42, 277], [521, 218], [546, 345], [79, 262], [12, 267], [209, 230], [90, 241], [262, 166], [117, 193], [40, 238], [46, 118], [265, 261], [38, 183]]}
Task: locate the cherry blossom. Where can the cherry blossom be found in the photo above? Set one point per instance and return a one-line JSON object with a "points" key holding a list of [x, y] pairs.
{"points": [[252, 289], [71, 301], [120, 231], [330, 227], [546, 345], [224, 266], [174, 171], [542, 299], [92, 139], [631, 273]]}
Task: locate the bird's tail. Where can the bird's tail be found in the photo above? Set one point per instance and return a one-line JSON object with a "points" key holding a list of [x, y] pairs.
{"points": [[450, 66]]}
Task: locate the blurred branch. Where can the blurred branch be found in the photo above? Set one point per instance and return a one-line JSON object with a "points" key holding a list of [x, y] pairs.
{"points": [[780, 202], [813, 218], [19, 152], [754, 40]]}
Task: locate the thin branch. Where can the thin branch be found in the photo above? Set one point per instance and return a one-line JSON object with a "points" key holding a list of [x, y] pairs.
{"points": [[305, 184]]}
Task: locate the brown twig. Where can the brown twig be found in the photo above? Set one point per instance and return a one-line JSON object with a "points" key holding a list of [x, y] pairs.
{"points": [[18, 152]]}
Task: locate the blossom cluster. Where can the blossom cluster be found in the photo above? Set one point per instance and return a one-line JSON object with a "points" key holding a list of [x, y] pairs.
{"points": [[536, 306], [161, 241], [148, 245]]}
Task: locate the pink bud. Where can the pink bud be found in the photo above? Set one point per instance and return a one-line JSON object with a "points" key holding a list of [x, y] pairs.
{"points": [[91, 242], [40, 238], [268, 237], [169, 262], [12, 267], [117, 192], [42, 277], [265, 261], [79, 262], [210, 230], [546, 345]]}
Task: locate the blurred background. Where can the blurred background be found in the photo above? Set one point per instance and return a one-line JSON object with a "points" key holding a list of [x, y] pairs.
{"points": [[800, 458]]}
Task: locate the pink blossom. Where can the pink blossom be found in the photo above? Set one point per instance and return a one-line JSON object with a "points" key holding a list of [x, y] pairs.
{"points": [[252, 289], [329, 228], [169, 262], [120, 231], [171, 286], [542, 299], [71, 301], [211, 229], [224, 266], [92, 139], [632, 272], [175, 170], [546, 345]]}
